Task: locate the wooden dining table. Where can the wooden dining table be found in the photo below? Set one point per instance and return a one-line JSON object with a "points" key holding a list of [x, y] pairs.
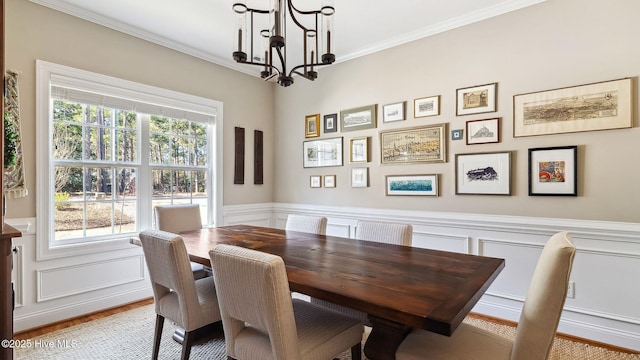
{"points": [[399, 287]]}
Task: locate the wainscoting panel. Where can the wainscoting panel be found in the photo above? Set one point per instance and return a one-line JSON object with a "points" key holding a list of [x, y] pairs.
{"points": [[54, 283], [17, 275]]}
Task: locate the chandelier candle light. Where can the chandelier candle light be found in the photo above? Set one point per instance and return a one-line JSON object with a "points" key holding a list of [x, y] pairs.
{"points": [[274, 39]]}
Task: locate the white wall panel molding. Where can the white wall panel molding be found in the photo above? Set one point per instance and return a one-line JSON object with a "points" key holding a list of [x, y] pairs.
{"points": [[17, 275], [78, 279], [40, 315]]}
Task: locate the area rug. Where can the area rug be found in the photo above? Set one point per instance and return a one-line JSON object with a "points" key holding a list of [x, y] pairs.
{"points": [[129, 335]]}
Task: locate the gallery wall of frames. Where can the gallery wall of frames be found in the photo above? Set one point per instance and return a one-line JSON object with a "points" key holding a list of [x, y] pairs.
{"points": [[552, 171]]}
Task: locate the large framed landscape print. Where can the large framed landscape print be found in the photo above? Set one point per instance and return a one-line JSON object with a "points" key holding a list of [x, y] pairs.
{"points": [[598, 106], [420, 144]]}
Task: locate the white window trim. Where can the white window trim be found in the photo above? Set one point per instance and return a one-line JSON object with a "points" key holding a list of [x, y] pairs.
{"points": [[45, 71]]}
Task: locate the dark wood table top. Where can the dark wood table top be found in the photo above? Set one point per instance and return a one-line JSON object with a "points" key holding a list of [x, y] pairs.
{"points": [[421, 288]]}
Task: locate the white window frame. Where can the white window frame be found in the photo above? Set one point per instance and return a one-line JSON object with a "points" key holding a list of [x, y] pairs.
{"points": [[45, 72]]}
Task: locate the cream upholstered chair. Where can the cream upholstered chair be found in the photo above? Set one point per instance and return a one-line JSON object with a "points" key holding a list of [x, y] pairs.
{"points": [[190, 303], [307, 223], [538, 321], [389, 233], [260, 319], [178, 218]]}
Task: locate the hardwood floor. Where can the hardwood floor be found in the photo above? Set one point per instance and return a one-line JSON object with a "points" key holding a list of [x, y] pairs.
{"points": [[32, 333]]}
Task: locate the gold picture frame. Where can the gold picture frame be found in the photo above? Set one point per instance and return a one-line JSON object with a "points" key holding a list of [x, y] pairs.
{"points": [[359, 150], [312, 126]]}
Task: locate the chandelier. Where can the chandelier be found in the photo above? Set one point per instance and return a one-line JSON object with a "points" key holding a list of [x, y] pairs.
{"points": [[273, 38]]}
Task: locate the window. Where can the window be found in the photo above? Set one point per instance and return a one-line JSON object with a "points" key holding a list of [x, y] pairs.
{"points": [[111, 150]]}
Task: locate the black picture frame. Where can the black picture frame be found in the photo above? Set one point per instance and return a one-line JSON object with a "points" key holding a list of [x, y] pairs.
{"points": [[553, 171]]}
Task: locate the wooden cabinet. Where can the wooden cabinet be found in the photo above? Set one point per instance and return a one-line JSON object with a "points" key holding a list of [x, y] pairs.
{"points": [[6, 291]]}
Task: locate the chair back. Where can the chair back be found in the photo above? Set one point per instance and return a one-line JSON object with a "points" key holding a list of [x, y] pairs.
{"points": [[253, 293], [178, 218], [170, 271], [545, 299], [307, 223], [388, 233]]}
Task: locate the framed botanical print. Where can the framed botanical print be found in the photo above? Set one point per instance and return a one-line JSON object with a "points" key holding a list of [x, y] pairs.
{"points": [[315, 181], [329, 181], [359, 149], [360, 177]]}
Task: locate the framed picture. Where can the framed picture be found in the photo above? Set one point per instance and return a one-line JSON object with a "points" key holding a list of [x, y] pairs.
{"points": [[456, 134], [324, 152], [315, 181], [312, 126], [553, 171], [329, 181], [330, 123], [476, 99], [359, 149], [393, 112], [360, 177], [358, 118], [599, 106], [483, 173], [426, 106], [483, 131], [420, 144], [412, 185]]}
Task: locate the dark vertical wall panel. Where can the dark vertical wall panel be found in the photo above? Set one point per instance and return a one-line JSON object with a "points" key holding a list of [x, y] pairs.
{"points": [[238, 174], [258, 178]]}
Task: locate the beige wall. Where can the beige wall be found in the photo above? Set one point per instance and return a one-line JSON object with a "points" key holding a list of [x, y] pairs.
{"points": [[36, 32], [554, 44]]}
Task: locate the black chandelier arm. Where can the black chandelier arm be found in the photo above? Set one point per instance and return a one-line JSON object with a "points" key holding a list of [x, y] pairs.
{"points": [[293, 17], [278, 72], [295, 69]]}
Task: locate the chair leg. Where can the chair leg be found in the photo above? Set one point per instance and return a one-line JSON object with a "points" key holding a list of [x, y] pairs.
{"points": [[157, 335], [186, 344], [356, 352]]}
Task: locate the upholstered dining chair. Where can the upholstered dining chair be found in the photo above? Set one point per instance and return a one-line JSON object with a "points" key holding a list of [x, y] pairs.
{"points": [[307, 223], [383, 232], [262, 321], [537, 326], [178, 218], [190, 303]]}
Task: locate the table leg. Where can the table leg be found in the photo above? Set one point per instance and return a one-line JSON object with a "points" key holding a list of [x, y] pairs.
{"points": [[385, 338]]}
